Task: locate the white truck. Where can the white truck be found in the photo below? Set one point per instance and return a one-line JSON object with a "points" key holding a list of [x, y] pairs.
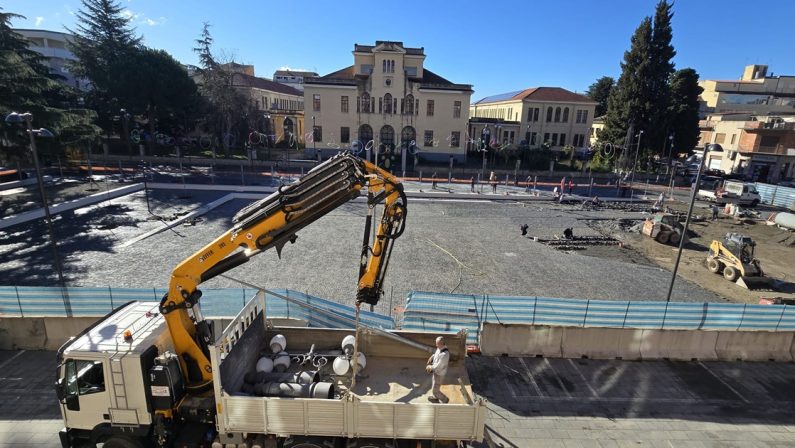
{"points": [[157, 375], [732, 192]]}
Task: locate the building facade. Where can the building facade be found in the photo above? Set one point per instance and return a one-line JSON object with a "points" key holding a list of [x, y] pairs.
{"points": [[387, 104], [597, 127], [293, 78], [550, 115], [755, 93], [761, 147], [53, 45]]}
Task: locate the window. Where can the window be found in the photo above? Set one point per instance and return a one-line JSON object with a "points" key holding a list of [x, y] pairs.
{"points": [[536, 111], [457, 109], [388, 136], [546, 137], [733, 135], [554, 139], [720, 138], [387, 104], [429, 108], [428, 138], [367, 69], [344, 104], [582, 116], [317, 133], [455, 138], [345, 134], [84, 377], [365, 134], [557, 115], [380, 104], [410, 71], [562, 141], [366, 102], [578, 140], [532, 114], [533, 136], [409, 104], [566, 115], [316, 102], [416, 107], [383, 66], [549, 115]]}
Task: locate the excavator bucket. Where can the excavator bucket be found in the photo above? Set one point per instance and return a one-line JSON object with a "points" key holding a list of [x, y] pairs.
{"points": [[756, 283]]}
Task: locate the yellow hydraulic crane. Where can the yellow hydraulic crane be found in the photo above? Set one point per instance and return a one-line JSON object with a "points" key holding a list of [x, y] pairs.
{"points": [[272, 222]]}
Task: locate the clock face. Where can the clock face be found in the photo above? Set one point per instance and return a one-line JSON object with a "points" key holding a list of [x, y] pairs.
{"points": [[388, 82]]}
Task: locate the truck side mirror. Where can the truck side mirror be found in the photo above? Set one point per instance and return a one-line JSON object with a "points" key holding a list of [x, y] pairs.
{"points": [[59, 390]]}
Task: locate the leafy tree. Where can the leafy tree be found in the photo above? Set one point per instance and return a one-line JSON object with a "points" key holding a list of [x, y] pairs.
{"points": [[26, 85], [685, 92], [599, 91], [228, 106]]}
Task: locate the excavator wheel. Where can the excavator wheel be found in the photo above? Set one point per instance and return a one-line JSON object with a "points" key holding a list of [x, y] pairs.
{"points": [[675, 238], [663, 237], [730, 273], [714, 265]]}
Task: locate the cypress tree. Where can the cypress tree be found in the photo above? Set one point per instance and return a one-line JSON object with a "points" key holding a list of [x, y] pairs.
{"points": [[661, 54], [684, 108], [600, 92]]}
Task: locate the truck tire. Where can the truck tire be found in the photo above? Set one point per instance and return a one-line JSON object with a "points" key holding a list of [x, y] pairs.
{"points": [[755, 202], [122, 442], [714, 265], [730, 273], [674, 238], [662, 237]]}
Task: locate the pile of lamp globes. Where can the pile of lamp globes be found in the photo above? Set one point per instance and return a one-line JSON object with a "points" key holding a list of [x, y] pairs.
{"points": [[280, 360]]}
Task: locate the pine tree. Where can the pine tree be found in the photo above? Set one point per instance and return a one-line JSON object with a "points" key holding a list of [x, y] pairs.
{"points": [[599, 91], [684, 108], [661, 68]]}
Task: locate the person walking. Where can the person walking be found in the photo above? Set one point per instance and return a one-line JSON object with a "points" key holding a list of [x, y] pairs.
{"points": [[472, 184], [493, 181], [715, 210], [433, 179], [571, 185], [437, 367]]}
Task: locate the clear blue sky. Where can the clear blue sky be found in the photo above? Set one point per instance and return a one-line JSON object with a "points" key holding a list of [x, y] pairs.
{"points": [[496, 46]]}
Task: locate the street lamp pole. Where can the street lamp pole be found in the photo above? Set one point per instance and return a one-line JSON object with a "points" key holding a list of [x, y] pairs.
{"points": [[694, 188], [634, 167], [14, 117]]}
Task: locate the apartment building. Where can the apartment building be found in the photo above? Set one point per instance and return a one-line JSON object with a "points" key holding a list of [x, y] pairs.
{"points": [[292, 78], [762, 147], [551, 115], [755, 93], [387, 104], [53, 46]]}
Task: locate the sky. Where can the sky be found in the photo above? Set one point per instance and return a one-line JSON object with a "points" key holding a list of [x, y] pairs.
{"points": [[497, 46]]}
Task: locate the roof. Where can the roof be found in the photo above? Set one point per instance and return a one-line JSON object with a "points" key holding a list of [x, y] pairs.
{"points": [[550, 94], [429, 80], [390, 45], [293, 73], [244, 80], [143, 319]]}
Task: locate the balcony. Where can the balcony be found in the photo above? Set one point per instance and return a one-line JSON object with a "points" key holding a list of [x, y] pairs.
{"points": [[755, 126]]}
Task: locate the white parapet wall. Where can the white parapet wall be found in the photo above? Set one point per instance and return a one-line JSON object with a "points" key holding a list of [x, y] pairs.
{"points": [[635, 344]]}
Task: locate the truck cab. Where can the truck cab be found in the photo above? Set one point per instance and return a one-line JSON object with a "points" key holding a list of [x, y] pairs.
{"points": [[739, 193], [103, 381]]}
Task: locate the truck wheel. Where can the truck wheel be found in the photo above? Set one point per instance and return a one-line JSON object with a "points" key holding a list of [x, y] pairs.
{"points": [[662, 237], [730, 273], [121, 442], [755, 202], [714, 265], [674, 238]]}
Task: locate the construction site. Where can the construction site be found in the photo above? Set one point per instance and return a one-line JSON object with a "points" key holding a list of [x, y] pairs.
{"points": [[519, 247]]}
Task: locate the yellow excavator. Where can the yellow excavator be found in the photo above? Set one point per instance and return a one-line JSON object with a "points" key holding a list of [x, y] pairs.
{"points": [[734, 257], [271, 223]]}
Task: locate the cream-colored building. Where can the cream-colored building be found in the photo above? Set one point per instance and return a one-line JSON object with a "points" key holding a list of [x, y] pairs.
{"points": [[761, 147], [547, 115], [597, 127], [387, 103], [755, 92], [53, 46]]}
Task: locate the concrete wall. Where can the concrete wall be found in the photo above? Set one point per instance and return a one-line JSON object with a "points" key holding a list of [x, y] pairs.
{"points": [[40, 333], [635, 344]]}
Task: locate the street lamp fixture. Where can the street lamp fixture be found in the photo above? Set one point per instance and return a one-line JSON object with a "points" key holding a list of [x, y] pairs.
{"points": [[634, 167], [27, 118], [694, 189]]}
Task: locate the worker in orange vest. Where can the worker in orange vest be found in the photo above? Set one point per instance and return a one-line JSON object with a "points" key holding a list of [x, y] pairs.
{"points": [[571, 185]]}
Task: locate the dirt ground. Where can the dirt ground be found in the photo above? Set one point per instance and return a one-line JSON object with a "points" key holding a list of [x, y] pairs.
{"points": [[775, 249]]}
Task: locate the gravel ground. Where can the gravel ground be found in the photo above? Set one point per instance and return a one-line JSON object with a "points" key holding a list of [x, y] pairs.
{"points": [[460, 246]]}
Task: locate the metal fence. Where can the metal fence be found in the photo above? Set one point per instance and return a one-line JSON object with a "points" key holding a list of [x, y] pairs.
{"points": [[777, 195], [450, 312], [22, 301]]}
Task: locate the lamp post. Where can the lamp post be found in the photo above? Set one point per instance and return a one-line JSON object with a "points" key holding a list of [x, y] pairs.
{"points": [[694, 188], [14, 117], [634, 167], [125, 121]]}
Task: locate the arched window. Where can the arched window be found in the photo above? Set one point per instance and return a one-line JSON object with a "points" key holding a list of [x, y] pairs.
{"points": [[365, 134], [383, 66], [549, 114], [388, 136], [288, 127], [557, 115], [387, 104], [409, 110], [366, 102], [566, 115], [407, 136]]}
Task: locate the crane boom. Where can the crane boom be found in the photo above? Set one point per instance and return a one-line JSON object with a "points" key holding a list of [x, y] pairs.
{"points": [[272, 222]]}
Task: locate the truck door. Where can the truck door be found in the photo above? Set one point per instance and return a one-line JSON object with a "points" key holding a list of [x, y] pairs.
{"points": [[86, 398]]}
